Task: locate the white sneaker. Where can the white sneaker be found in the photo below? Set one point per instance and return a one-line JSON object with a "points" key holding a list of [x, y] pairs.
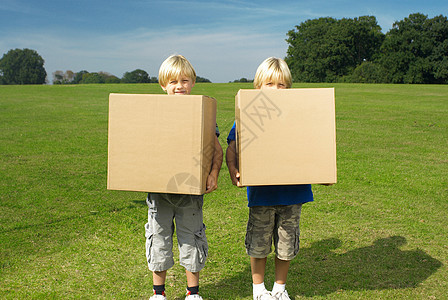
{"points": [[157, 297], [191, 297], [266, 295], [282, 295]]}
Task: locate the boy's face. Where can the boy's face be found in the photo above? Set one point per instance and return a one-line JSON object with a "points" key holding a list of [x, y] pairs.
{"points": [[271, 84], [179, 86]]}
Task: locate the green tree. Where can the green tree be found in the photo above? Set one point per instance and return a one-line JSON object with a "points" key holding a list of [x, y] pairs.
{"points": [[202, 79], [112, 79], [92, 78], [243, 79], [109, 78], [136, 76], [78, 76], [415, 50], [325, 49], [22, 66]]}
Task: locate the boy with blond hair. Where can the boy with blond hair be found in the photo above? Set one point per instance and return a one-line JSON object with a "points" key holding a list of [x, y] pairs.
{"points": [[274, 211], [177, 77]]}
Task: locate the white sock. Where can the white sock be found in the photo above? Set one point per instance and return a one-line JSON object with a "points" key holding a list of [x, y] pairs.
{"points": [[278, 288], [258, 288]]}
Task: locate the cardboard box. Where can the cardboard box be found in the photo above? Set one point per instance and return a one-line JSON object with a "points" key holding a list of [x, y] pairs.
{"points": [[286, 136], [160, 143]]}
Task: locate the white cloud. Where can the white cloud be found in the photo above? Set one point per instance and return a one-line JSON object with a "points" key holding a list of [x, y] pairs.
{"points": [[224, 40], [220, 56]]}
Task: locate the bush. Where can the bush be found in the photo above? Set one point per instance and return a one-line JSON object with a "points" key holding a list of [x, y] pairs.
{"points": [[368, 72]]}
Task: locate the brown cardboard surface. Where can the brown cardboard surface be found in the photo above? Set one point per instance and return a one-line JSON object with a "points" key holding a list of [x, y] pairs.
{"points": [[286, 136], [160, 143]]}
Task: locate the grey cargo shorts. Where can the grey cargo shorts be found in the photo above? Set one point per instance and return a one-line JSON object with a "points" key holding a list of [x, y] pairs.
{"points": [[186, 210], [277, 224]]}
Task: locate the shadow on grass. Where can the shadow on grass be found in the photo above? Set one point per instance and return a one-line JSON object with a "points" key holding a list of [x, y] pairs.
{"points": [[320, 271], [140, 202], [57, 220]]}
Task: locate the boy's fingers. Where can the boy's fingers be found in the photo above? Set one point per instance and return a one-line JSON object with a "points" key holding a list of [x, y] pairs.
{"points": [[211, 188], [237, 179]]}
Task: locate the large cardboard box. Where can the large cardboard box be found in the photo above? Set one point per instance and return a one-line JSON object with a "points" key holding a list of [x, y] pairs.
{"points": [[160, 143], [286, 136]]}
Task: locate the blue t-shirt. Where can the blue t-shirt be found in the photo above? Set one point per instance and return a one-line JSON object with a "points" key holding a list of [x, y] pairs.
{"points": [[217, 130], [269, 195]]}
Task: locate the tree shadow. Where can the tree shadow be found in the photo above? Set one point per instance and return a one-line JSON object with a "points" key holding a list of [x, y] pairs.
{"points": [[318, 270]]}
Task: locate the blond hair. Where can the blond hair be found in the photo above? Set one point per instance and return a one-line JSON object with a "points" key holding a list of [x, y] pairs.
{"points": [[272, 69], [173, 67]]}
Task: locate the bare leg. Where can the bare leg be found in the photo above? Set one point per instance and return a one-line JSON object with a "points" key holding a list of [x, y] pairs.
{"points": [[258, 267], [281, 270], [158, 278], [192, 278]]}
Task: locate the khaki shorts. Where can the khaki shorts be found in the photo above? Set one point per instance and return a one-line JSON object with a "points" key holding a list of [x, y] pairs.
{"points": [[186, 210], [273, 224]]}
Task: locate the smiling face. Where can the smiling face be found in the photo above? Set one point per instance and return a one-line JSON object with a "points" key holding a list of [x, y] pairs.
{"points": [[179, 86], [177, 76]]}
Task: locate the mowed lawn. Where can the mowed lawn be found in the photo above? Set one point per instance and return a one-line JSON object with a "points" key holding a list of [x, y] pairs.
{"points": [[380, 233]]}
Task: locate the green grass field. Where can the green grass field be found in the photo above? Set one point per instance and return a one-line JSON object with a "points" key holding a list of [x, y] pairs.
{"points": [[380, 233]]}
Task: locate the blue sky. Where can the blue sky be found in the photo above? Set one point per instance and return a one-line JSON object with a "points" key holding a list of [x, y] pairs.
{"points": [[224, 40]]}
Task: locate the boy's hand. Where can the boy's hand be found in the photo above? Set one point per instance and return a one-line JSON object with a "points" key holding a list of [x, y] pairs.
{"points": [[212, 178], [232, 164], [212, 183], [235, 177]]}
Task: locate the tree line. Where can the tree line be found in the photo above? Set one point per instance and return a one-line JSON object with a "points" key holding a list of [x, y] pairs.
{"points": [[85, 77], [415, 50], [26, 66]]}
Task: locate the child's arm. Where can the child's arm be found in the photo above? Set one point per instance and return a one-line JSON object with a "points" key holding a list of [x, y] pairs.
{"points": [[232, 163], [212, 179]]}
